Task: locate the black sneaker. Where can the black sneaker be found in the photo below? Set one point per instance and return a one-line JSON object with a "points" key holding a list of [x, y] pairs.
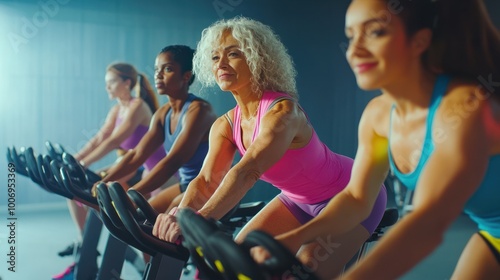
{"points": [[70, 250]]}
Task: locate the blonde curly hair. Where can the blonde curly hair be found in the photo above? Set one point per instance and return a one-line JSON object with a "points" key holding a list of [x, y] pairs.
{"points": [[271, 66]]}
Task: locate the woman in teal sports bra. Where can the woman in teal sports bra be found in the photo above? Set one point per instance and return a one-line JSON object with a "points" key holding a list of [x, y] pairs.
{"points": [[436, 125]]}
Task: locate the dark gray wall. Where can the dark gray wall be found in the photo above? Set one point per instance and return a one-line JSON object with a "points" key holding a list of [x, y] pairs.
{"points": [[54, 54]]}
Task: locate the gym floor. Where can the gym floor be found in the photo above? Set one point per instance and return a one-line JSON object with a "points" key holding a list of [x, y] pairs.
{"points": [[42, 233]]}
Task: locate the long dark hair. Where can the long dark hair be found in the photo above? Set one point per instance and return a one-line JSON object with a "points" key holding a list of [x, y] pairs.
{"points": [[465, 44]]}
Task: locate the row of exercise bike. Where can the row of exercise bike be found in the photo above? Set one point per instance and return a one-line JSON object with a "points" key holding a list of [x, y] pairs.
{"points": [[129, 218]]}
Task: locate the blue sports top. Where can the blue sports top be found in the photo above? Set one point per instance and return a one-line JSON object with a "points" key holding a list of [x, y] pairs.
{"points": [[190, 169], [483, 206]]}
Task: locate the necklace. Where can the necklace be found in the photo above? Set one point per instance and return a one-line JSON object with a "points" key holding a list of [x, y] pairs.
{"points": [[254, 114]]}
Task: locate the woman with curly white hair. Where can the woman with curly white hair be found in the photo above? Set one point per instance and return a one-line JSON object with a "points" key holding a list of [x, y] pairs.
{"points": [[276, 141]]}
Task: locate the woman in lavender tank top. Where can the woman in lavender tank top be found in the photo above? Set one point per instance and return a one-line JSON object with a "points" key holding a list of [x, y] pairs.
{"points": [[126, 123]]}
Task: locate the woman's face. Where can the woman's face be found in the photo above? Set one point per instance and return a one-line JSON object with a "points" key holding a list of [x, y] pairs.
{"points": [[230, 67], [169, 77], [379, 51], [115, 85]]}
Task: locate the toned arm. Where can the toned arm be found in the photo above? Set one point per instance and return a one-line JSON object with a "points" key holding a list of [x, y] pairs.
{"points": [[195, 126], [452, 174]]}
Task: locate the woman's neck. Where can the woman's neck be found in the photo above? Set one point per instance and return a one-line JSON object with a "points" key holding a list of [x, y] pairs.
{"points": [[412, 93], [177, 100], [125, 100], [248, 101]]}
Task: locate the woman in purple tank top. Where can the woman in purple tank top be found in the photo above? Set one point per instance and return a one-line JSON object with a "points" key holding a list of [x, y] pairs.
{"points": [[275, 138], [126, 123]]}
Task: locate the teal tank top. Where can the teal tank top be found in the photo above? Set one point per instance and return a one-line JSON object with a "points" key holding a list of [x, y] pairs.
{"points": [[483, 207]]}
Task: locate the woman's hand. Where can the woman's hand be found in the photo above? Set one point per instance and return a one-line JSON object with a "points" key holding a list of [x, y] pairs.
{"points": [[291, 240], [166, 227], [93, 191], [260, 254]]}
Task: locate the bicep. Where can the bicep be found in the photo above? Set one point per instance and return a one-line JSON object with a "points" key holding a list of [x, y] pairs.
{"points": [[220, 154], [278, 129], [109, 124], [371, 163], [454, 170]]}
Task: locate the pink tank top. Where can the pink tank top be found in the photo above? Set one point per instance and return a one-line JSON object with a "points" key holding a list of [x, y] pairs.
{"points": [[310, 174]]}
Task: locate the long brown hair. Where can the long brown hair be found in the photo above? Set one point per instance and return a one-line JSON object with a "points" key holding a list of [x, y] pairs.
{"points": [[465, 44], [138, 82]]}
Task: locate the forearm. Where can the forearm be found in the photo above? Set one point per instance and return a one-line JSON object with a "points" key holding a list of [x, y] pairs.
{"points": [[341, 215], [416, 233], [197, 194], [160, 174], [100, 151], [231, 190], [89, 146], [149, 183], [130, 162]]}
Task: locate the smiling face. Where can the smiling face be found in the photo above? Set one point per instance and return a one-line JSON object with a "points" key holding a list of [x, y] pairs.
{"points": [[379, 51], [230, 67], [169, 77]]}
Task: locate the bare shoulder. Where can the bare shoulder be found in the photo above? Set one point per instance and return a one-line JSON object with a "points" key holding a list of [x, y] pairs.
{"points": [[377, 114], [139, 105], [463, 102], [201, 106], [462, 91], [163, 109], [229, 117], [137, 102], [200, 103], [223, 126], [285, 112], [284, 106], [161, 113], [114, 110], [468, 106]]}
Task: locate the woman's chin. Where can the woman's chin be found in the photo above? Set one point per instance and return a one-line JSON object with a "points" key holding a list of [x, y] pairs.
{"points": [[223, 87], [367, 85]]}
